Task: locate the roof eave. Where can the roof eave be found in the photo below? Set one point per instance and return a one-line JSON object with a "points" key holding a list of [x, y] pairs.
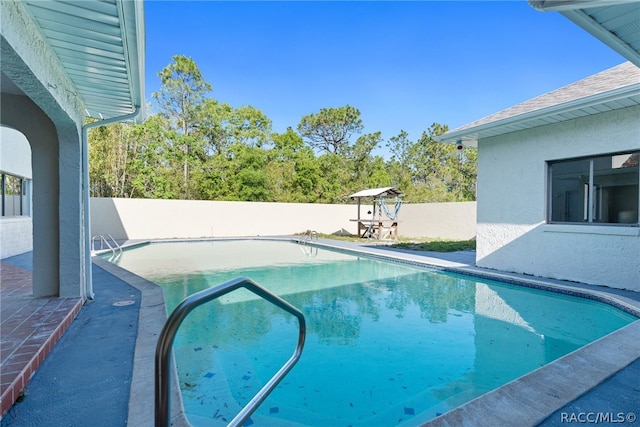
{"points": [[469, 136], [133, 31], [584, 21], [574, 10], [564, 5]]}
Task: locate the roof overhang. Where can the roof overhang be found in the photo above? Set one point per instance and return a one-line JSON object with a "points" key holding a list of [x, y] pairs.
{"points": [[599, 103], [614, 22], [97, 46]]}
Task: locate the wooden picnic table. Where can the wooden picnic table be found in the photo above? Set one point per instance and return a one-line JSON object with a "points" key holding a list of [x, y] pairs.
{"points": [[377, 228]]}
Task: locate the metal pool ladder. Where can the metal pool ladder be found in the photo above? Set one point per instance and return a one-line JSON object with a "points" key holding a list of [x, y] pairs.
{"points": [[116, 249], [308, 236], [165, 343]]}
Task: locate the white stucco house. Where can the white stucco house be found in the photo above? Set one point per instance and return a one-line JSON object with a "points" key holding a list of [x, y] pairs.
{"points": [[558, 175], [61, 63]]}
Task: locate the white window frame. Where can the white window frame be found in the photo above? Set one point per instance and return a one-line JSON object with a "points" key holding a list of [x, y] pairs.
{"points": [[589, 193], [24, 199]]}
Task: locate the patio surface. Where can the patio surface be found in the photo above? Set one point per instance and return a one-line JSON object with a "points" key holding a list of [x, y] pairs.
{"points": [[86, 375], [101, 371], [29, 329]]}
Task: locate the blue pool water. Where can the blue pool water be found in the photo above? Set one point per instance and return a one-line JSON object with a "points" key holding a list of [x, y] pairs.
{"points": [[387, 343]]}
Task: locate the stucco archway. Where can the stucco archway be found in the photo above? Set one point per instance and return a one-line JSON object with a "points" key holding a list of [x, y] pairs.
{"points": [[57, 224]]}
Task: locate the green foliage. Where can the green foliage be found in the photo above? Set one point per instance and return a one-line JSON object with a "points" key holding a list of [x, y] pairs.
{"points": [[197, 147], [183, 90], [214, 126], [250, 126], [421, 244], [330, 129], [292, 170], [180, 100], [250, 179]]}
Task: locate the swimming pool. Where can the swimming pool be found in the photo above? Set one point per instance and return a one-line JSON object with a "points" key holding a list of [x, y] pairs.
{"points": [[388, 344]]}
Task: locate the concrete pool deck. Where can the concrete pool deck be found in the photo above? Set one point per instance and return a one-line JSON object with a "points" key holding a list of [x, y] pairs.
{"points": [[602, 377]]}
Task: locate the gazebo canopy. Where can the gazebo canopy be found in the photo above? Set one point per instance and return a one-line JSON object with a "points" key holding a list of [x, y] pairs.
{"points": [[377, 192], [375, 226]]}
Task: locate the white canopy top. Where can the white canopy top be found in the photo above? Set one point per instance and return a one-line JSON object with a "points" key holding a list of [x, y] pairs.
{"points": [[377, 192]]}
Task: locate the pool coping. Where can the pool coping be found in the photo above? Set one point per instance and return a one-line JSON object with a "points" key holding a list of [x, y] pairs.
{"points": [[151, 319], [527, 400]]}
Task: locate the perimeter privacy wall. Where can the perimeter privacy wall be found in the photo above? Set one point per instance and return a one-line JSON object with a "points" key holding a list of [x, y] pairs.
{"points": [[514, 232], [153, 219]]}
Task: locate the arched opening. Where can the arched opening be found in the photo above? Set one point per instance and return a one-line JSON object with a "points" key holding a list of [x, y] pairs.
{"points": [[22, 114]]}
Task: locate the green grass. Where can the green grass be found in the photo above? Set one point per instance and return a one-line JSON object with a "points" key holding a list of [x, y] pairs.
{"points": [[438, 245], [415, 244]]}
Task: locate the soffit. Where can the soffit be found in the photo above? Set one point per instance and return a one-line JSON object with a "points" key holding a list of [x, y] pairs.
{"points": [[100, 45], [614, 22]]}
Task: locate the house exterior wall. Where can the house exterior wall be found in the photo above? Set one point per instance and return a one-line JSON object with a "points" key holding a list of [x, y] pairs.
{"points": [[512, 183], [154, 219], [15, 153], [16, 236], [16, 233]]}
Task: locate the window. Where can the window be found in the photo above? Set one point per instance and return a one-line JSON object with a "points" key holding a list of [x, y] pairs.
{"points": [[15, 196], [601, 190]]}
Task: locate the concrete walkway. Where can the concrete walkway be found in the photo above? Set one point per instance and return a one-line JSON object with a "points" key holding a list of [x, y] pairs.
{"points": [[617, 398], [101, 371]]}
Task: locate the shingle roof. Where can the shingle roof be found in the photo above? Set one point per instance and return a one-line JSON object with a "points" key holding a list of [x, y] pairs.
{"points": [[618, 87]]}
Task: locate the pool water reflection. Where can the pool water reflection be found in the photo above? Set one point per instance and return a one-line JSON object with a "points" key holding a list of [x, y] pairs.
{"points": [[387, 343]]}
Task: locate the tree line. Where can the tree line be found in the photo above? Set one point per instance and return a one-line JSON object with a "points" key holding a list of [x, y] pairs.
{"points": [[196, 147]]}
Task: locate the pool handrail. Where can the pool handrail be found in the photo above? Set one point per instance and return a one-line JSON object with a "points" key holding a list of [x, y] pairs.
{"points": [[165, 344], [104, 241], [308, 236]]}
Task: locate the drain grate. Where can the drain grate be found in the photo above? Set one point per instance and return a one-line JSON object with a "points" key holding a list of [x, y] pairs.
{"points": [[123, 303]]}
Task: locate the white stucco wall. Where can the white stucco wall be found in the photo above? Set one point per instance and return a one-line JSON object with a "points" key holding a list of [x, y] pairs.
{"points": [[16, 236], [16, 233], [454, 221], [512, 233], [15, 153], [153, 219]]}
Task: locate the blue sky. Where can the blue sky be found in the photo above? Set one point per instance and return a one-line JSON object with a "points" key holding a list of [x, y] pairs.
{"points": [[404, 65]]}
